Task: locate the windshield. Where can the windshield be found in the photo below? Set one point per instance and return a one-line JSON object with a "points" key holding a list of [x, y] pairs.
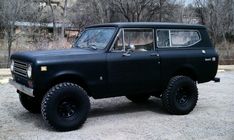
{"points": [[95, 38]]}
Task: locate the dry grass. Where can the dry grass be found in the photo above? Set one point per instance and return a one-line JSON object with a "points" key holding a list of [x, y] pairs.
{"points": [[226, 53], [23, 44]]}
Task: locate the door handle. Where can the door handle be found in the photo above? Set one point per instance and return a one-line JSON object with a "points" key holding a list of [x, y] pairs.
{"points": [[126, 54], [154, 54]]}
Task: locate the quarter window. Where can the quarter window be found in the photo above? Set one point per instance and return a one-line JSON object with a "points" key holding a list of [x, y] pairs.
{"points": [[184, 38], [177, 38], [118, 45]]}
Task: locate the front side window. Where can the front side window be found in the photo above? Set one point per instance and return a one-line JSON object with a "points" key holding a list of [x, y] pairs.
{"points": [[140, 39], [177, 38], [135, 39], [95, 38]]}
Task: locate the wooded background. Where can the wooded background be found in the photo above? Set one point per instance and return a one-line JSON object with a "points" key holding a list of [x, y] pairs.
{"points": [[51, 24]]}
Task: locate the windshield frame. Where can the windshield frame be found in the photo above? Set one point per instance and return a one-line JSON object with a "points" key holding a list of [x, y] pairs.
{"points": [[93, 28]]}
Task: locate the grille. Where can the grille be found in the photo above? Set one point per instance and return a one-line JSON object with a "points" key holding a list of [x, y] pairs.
{"points": [[20, 68]]}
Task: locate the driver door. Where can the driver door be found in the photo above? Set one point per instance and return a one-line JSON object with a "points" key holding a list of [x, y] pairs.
{"points": [[132, 63]]}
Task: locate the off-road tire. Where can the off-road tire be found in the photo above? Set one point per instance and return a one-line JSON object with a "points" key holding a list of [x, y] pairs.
{"points": [[55, 98], [138, 98], [171, 97], [30, 103]]}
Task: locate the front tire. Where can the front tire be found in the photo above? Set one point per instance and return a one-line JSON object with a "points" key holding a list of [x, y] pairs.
{"points": [[30, 103], [181, 95], [65, 106]]}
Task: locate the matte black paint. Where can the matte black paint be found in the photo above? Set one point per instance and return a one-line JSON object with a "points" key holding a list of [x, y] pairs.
{"points": [[109, 74]]}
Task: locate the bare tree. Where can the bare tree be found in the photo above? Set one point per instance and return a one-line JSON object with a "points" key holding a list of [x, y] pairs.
{"points": [[218, 17], [144, 10], [49, 3], [201, 10], [79, 15], [15, 11], [64, 16], [215, 14], [132, 10], [86, 12]]}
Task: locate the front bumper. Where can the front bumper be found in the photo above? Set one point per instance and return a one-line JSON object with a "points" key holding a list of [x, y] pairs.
{"points": [[22, 88]]}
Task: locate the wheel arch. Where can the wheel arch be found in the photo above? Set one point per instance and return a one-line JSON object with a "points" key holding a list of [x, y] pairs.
{"points": [[68, 77], [187, 71]]}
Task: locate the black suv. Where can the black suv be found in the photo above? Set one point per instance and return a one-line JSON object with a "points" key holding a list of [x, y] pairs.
{"points": [[136, 60]]}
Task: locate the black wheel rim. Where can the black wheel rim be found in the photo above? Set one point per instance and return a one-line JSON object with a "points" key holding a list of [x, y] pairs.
{"points": [[68, 108], [182, 96]]}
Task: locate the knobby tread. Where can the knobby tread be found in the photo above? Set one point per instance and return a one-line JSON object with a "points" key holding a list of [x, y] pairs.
{"points": [[166, 95], [49, 95]]}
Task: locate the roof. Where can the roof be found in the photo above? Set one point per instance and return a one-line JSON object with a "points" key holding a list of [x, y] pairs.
{"points": [[148, 24]]}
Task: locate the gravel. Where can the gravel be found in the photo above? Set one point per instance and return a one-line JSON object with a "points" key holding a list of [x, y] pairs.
{"points": [[118, 118]]}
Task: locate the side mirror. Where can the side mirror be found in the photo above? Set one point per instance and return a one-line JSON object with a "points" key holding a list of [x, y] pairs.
{"points": [[130, 48]]}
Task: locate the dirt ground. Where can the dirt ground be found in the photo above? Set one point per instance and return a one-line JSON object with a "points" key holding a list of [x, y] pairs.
{"points": [[119, 119]]}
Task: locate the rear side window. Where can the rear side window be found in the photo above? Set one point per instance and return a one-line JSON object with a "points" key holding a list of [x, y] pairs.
{"points": [[177, 38]]}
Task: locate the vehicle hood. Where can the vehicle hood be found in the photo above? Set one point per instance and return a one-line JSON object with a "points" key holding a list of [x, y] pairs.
{"points": [[49, 54]]}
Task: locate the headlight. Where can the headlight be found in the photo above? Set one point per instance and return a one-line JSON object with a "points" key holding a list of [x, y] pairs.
{"points": [[12, 65], [29, 71]]}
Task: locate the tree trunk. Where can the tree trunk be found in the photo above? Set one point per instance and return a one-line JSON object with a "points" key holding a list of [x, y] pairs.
{"points": [[9, 53], [226, 46], [53, 19], [10, 36], [64, 16], [160, 11]]}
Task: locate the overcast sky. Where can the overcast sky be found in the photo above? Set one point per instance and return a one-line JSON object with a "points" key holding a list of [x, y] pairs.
{"points": [[188, 1]]}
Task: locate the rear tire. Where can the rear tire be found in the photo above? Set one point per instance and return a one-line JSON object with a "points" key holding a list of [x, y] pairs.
{"points": [[142, 98], [30, 103], [65, 106], [180, 96]]}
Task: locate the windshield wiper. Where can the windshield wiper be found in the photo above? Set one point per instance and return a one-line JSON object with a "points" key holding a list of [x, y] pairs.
{"points": [[84, 46], [80, 46], [93, 46]]}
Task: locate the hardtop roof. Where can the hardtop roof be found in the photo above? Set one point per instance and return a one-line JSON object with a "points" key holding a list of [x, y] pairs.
{"points": [[167, 25]]}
